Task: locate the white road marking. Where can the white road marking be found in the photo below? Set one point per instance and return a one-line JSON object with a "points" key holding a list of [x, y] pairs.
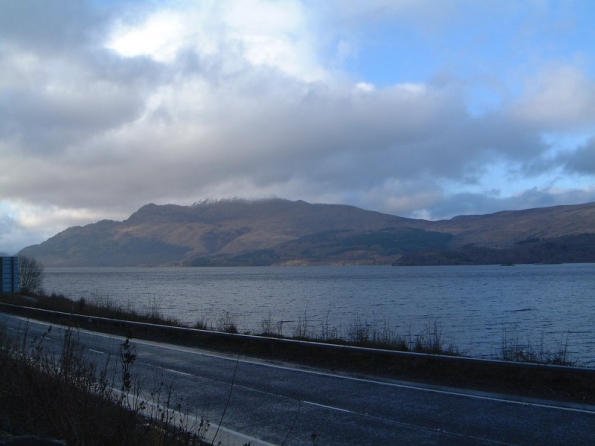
{"points": [[324, 406], [177, 372]]}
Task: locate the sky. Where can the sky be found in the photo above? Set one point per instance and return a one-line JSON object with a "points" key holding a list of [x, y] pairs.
{"points": [[417, 108]]}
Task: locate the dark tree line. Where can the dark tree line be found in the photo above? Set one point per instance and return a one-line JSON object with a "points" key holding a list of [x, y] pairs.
{"points": [[578, 248]]}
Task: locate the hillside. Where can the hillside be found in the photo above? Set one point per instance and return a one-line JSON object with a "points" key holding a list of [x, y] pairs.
{"points": [[283, 232], [505, 229]]}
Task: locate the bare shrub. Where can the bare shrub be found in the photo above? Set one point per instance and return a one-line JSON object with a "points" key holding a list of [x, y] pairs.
{"points": [[377, 334], [227, 324], [513, 350], [329, 333], [302, 329], [201, 323], [31, 273], [268, 326]]}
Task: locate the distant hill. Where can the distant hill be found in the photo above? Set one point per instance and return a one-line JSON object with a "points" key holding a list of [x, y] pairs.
{"points": [[505, 229], [283, 232]]}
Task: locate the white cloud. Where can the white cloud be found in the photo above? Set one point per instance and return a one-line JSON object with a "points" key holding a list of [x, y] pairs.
{"points": [[559, 98], [159, 37], [263, 33], [365, 87]]}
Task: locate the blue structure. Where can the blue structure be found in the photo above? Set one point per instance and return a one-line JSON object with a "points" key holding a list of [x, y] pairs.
{"points": [[9, 274]]}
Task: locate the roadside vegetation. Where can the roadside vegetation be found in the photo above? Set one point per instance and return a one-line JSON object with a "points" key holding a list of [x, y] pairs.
{"points": [[375, 334], [31, 273], [360, 333], [512, 349], [69, 398]]}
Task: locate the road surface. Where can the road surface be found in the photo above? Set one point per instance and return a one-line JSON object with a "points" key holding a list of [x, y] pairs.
{"points": [[277, 403]]}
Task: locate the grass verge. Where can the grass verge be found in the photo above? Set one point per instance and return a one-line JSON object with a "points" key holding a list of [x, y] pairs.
{"points": [[67, 397]]}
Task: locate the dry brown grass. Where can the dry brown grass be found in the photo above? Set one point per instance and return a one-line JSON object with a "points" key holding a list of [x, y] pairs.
{"points": [[69, 398]]}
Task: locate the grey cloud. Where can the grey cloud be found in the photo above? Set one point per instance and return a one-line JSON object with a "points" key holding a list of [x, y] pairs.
{"points": [[281, 131], [268, 128], [381, 136], [6, 224], [59, 87], [65, 26], [59, 25], [582, 160], [45, 122], [562, 98]]}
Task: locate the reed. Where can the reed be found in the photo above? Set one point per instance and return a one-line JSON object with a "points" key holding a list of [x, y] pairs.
{"points": [[512, 349], [377, 333]]}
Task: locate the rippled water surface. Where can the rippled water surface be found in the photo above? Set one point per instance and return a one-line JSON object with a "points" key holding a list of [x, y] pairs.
{"points": [[476, 307]]}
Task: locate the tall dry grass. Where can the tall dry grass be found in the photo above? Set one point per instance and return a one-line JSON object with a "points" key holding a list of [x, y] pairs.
{"points": [[68, 397]]}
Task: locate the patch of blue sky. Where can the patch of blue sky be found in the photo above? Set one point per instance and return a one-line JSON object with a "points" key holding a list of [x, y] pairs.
{"points": [[502, 181], [482, 99], [564, 142], [416, 52], [389, 56], [6, 210], [499, 179], [480, 45], [7, 226]]}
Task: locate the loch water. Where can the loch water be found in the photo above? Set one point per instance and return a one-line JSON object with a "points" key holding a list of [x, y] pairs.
{"points": [[476, 308]]}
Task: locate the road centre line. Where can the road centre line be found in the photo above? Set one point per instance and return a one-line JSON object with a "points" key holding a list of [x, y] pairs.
{"points": [[178, 372], [337, 409], [97, 351], [225, 383]]}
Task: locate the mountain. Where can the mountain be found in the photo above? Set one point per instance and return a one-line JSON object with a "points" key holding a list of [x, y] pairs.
{"points": [[283, 232]]}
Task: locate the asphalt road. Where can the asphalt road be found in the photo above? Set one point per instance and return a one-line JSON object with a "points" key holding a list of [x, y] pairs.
{"points": [[279, 403]]}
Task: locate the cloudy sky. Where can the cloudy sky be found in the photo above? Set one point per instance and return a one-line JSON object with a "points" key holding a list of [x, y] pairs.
{"points": [[419, 108]]}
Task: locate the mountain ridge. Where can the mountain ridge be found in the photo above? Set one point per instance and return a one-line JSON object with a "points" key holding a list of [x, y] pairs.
{"points": [[284, 232]]}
